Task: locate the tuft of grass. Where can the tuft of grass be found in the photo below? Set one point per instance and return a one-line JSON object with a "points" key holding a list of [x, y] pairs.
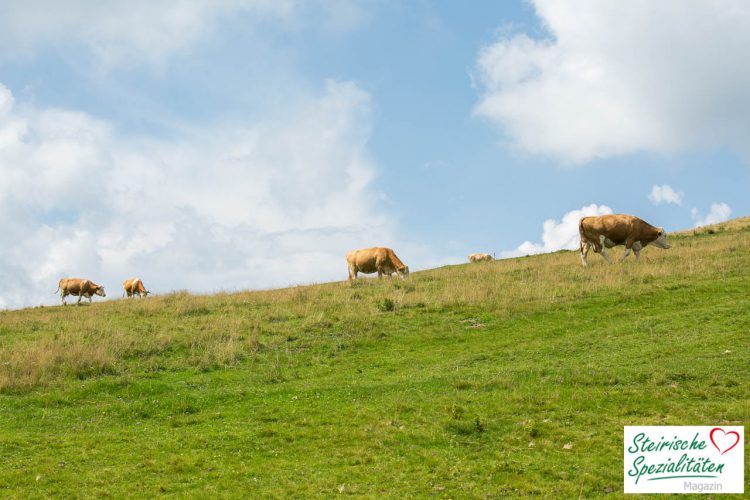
{"points": [[387, 305]]}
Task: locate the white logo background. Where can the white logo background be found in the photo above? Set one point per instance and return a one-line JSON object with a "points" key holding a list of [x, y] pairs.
{"points": [[684, 459]]}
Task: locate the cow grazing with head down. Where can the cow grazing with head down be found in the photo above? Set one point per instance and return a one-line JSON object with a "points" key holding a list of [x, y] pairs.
{"points": [[607, 231], [480, 257], [375, 260], [79, 287], [134, 286]]}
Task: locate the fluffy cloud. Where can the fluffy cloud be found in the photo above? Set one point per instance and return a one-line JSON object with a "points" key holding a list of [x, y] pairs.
{"points": [[620, 77], [558, 235], [719, 213], [237, 207], [665, 194]]}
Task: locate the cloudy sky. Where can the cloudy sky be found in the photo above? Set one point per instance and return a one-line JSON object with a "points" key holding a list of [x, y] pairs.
{"points": [[222, 145]]}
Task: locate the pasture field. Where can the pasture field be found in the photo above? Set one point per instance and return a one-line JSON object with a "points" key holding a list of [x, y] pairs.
{"points": [[503, 379]]}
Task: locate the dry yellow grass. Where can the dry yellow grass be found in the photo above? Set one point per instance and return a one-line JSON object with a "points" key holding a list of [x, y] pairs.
{"points": [[734, 225], [41, 345]]}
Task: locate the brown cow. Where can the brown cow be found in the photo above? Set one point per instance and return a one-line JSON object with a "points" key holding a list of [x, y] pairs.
{"points": [[607, 231], [80, 287], [480, 257], [134, 286], [377, 259]]}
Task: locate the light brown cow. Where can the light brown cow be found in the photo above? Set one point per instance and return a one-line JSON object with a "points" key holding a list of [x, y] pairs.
{"points": [[79, 287], [480, 257], [607, 231], [134, 286], [378, 259]]}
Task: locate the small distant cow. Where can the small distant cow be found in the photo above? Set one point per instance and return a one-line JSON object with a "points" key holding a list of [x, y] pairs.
{"points": [[134, 286], [79, 287], [378, 259], [607, 231], [480, 257]]}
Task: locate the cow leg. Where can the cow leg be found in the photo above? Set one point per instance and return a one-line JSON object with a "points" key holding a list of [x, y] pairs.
{"points": [[352, 273], [90, 299], [62, 296], [603, 248], [629, 244], [637, 247], [585, 247], [381, 266], [80, 294], [627, 252]]}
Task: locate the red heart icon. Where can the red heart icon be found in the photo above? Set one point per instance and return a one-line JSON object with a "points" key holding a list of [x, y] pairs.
{"points": [[722, 438]]}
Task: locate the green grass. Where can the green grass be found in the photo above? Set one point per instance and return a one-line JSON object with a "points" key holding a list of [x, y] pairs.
{"points": [[504, 379]]}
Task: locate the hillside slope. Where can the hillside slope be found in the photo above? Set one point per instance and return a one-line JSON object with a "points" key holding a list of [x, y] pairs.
{"points": [[495, 379]]}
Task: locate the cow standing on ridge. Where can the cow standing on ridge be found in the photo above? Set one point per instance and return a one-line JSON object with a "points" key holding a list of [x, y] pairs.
{"points": [[607, 231], [377, 259], [79, 287], [480, 257], [134, 286]]}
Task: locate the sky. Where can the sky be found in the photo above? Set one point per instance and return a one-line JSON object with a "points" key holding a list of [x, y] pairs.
{"points": [[249, 144]]}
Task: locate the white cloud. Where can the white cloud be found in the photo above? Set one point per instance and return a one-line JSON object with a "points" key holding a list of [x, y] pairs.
{"points": [[125, 32], [665, 194], [128, 33], [558, 235], [621, 77], [719, 213], [229, 208]]}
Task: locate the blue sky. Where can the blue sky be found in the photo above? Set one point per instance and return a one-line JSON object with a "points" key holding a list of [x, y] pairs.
{"points": [[221, 146]]}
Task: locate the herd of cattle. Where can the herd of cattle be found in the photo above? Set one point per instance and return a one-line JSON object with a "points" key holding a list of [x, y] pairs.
{"points": [[597, 233], [80, 288]]}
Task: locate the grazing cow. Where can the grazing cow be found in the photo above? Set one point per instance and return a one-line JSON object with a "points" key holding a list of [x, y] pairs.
{"points": [[480, 257], [378, 259], [79, 287], [134, 286], [607, 231]]}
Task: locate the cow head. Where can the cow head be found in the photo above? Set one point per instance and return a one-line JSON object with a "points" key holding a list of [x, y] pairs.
{"points": [[100, 292], [403, 272], [661, 240]]}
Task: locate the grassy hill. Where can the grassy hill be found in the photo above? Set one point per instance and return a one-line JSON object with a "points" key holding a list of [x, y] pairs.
{"points": [[496, 379]]}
